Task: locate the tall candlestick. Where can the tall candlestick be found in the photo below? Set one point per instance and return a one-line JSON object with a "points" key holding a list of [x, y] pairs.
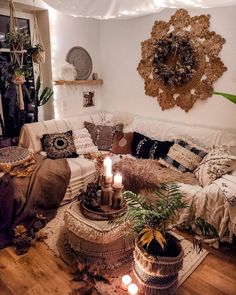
{"points": [[107, 163], [117, 181]]}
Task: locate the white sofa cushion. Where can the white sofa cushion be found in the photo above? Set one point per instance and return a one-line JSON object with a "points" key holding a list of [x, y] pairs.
{"points": [[83, 142]]}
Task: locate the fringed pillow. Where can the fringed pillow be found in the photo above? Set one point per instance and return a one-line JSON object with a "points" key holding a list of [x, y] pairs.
{"points": [[83, 142], [59, 145], [218, 162], [183, 156], [102, 135], [146, 148]]}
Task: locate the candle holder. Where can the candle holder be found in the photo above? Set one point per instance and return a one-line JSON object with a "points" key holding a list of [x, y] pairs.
{"points": [[117, 197], [106, 190]]}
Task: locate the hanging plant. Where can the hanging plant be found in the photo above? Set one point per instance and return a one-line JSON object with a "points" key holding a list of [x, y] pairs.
{"points": [[17, 41], [38, 53]]}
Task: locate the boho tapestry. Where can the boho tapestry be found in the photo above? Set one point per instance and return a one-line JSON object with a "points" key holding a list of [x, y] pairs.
{"points": [[180, 61]]}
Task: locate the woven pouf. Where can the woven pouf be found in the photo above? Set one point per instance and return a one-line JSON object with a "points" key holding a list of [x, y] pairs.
{"points": [[98, 242], [157, 275], [13, 156]]}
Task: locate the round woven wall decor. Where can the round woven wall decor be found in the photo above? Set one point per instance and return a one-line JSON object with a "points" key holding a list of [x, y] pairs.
{"points": [[180, 61]]}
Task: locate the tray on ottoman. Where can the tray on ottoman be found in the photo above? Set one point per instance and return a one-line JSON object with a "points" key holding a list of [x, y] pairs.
{"points": [[98, 242]]}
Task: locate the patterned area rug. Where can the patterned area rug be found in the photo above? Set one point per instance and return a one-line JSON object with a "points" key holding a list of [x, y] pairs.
{"points": [[55, 231]]}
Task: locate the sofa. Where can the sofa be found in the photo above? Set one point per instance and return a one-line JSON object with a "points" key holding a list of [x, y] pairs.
{"points": [[209, 201]]}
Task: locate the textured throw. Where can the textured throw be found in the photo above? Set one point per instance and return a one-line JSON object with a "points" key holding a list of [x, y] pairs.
{"points": [[148, 174], [39, 193]]}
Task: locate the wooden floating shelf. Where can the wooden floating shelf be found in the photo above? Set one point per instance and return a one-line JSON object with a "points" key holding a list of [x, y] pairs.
{"points": [[79, 82]]}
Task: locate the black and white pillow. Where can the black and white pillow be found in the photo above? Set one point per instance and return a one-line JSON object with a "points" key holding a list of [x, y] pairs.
{"points": [[59, 145], [145, 148], [183, 156]]}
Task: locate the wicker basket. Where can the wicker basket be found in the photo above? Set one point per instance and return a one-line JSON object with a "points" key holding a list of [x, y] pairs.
{"points": [[157, 275], [38, 57]]}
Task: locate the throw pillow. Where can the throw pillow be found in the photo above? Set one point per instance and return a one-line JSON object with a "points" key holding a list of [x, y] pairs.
{"points": [[184, 156], [145, 148], [83, 142], [122, 143], [102, 135], [59, 145], [217, 163]]}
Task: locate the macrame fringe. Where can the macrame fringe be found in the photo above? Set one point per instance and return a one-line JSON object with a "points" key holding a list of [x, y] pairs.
{"points": [[105, 256]]}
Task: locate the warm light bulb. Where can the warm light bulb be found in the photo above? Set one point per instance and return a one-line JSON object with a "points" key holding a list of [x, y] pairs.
{"points": [[132, 289], [126, 280]]}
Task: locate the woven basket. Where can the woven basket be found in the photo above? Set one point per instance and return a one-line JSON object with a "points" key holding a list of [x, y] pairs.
{"points": [[38, 57], [157, 275]]}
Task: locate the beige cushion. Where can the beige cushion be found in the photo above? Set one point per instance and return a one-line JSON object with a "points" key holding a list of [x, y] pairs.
{"points": [[217, 163], [83, 142]]}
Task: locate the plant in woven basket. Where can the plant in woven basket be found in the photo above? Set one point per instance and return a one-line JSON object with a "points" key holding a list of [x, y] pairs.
{"points": [[158, 255], [153, 220], [37, 52]]}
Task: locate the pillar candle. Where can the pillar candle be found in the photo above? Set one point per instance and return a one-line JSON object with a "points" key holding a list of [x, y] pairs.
{"points": [[107, 166], [117, 181]]}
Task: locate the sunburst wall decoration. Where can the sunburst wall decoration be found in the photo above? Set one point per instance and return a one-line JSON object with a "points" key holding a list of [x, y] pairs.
{"points": [[180, 62]]}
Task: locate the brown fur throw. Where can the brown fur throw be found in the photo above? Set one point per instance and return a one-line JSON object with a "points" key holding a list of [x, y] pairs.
{"points": [[142, 174]]}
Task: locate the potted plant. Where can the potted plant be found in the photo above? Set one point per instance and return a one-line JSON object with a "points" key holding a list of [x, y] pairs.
{"points": [[39, 98], [158, 255], [17, 41], [38, 53]]}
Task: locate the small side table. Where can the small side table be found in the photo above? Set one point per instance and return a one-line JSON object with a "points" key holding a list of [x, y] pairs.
{"points": [[98, 242]]}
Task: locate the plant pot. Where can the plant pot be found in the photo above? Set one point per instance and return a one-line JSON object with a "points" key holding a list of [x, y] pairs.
{"points": [[157, 275], [18, 78], [38, 57]]}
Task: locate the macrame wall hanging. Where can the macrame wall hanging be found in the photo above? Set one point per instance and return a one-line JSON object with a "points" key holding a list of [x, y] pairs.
{"points": [[180, 61]]}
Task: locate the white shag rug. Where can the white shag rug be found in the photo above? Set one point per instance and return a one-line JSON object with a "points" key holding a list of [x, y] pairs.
{"points": [[191, 261]]}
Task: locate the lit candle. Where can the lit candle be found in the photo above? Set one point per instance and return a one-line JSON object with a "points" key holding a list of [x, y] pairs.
{"points": [[132, 289], [117, 181], [126, 280], [107, 166]]}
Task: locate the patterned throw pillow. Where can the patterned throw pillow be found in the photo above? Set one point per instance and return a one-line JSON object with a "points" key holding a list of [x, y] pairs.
{"points": [[217, 163], [102, 135], [122, 143], [145, 148], [183, 156], [83, 142], [59, 145]]}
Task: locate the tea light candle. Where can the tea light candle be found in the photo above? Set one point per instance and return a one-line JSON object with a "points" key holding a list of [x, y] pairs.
{"points": [[132, 289], [126, 280], [117, 181], [107, 166]]}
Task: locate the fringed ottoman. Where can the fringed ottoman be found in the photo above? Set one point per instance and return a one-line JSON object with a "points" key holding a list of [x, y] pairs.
{"points": [[98, 242]]}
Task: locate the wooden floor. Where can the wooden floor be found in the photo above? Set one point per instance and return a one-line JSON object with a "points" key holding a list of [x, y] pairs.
{"points": [[39, 272]]}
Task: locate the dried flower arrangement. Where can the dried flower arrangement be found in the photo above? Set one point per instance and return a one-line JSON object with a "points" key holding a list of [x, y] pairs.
{"points": [[180, 54]]}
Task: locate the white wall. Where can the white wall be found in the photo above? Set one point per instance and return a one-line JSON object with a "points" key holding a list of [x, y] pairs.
{"points": [[123, 88], [67, 32]]}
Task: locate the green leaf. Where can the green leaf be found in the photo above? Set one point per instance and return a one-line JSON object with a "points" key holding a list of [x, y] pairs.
{"points": [[230, 97]]}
